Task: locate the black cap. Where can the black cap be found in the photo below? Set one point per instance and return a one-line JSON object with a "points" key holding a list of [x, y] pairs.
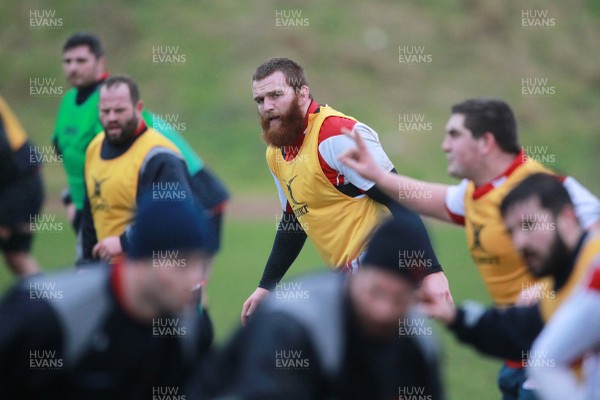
{"points": [[401, 245], [168, 225]]}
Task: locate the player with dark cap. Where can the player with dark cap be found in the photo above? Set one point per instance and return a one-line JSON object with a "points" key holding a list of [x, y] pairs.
{"points": [[124, 332], [339, 335]]}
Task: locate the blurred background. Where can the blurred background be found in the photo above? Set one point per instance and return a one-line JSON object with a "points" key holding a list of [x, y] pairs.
{"points": [[396, 66]]}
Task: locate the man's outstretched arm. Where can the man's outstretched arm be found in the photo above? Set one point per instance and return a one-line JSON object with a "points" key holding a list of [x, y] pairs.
{"points": [[425, 198]]}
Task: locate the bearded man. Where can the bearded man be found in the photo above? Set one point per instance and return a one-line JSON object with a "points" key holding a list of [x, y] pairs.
{"points": [[561, 252], [125, 160], [321, 198]]}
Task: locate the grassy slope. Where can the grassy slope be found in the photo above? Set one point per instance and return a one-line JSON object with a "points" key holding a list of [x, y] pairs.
{"points": [[477, 48]]}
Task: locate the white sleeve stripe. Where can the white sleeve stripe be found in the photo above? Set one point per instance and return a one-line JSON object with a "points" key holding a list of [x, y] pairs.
{"points": [[455, 198], [332, 147], [573, 331], [281, 194], [587, 206]]}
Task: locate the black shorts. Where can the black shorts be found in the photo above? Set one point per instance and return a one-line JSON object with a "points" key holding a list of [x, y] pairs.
{"points": [[19, 202]]}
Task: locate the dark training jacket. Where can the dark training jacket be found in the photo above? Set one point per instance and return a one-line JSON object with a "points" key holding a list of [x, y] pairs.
{"points": [[67, 337]]}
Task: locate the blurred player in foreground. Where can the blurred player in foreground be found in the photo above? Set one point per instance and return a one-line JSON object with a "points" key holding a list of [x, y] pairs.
{"points": [[540, 218], [571, 335], [21, 193], [341, 336], [320, 198], [482, 148], [123, 332]]}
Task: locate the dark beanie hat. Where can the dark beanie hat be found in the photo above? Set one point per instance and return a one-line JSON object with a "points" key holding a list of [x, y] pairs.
{"points": [[401, 245], [168, 226]]}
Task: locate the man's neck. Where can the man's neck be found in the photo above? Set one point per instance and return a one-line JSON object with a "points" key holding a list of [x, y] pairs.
{"points": [[310, 105], [493, 168], [99, 78], [84, 92]]}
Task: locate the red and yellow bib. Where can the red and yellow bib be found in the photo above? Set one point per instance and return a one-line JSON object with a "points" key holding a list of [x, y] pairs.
{"points": [[15, 134], [112, 184], [500, 265], [589, 252], [337, 224]]}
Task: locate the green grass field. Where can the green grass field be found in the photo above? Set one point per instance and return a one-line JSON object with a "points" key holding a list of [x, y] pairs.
{"points": [[350, 50]]}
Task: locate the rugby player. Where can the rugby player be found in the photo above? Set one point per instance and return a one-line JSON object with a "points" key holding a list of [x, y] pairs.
{"points": [[573, 334], [77, 124], [126, 160], [21, 193], [320, 198], [558, 248], [482, 148], [347, 337], [124, 332]]}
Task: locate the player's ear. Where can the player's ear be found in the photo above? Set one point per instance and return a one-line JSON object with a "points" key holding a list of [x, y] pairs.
{"points": [[566, 219], [101, 65], [139, 106], [487, 142], [303, 95]]}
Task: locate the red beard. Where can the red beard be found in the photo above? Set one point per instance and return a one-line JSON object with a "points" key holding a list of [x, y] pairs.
{"points": [[287, 131]]}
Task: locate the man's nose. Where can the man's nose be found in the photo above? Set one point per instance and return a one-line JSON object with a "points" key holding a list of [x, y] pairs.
{"points": [[446, 144], [70, 66], [269, 104]]}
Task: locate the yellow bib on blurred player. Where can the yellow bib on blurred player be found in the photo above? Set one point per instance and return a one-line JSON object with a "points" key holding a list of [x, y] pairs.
{"points": [[550, 302], [112, 184], [590, 250], [502, 268], [337, 224], [15, 133]]}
